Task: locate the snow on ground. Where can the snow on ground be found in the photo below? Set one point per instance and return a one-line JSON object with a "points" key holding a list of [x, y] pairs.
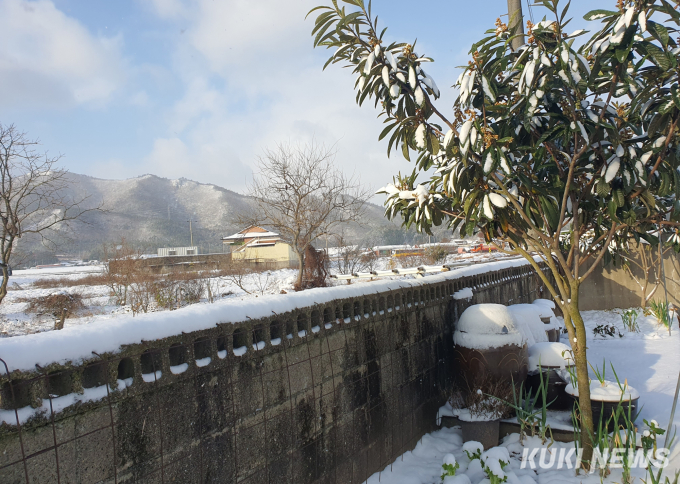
{"points": [[105, 333], [649, 360], [15, 321]]}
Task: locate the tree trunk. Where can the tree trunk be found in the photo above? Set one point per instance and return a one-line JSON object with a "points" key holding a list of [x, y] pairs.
{"points": [[516, 23], [5, 282], [578, 344], [643, 302], [301, 270]]}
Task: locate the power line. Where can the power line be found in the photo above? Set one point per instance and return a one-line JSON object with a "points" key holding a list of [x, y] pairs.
{"points": [[531, 12]]}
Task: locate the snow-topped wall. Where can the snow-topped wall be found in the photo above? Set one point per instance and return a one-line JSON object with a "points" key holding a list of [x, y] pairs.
{"points": [[326, 382]]}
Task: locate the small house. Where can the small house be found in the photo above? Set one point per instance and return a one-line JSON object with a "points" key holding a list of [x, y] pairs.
{"points": [[258, 245]]}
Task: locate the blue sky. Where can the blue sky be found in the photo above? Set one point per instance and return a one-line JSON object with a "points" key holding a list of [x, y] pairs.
{"points": [[198, 88]]}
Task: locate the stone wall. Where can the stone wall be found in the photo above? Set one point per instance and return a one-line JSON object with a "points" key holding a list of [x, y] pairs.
{"points": [[328, 393]]}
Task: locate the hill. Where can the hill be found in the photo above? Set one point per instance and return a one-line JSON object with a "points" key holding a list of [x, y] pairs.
{"points": [[155, 212]]}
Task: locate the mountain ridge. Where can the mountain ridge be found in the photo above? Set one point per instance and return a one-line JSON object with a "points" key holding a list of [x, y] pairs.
{"points": [[154, 211]]}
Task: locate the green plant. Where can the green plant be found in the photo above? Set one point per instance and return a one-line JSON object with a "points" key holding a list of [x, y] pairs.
{"points": [[494, 461], [569, 366], [661, 312], [600, 437], [649, 443], [450, 466], [629, 319], [599, 374], [530, 419]]}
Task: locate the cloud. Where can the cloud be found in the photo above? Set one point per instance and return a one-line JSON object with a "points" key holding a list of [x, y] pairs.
{"points": [[252, 80], [50, 59], [169, 9]]}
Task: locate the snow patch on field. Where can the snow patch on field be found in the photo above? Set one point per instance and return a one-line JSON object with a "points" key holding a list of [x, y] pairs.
{"points": [[105, 334]]}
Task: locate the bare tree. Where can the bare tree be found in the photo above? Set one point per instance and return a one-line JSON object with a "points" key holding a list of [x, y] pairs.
{"points": [[33, 197], [302, 195], [643, 262]]}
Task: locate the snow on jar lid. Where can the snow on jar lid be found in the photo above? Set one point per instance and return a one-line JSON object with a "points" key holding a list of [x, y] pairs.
{"points": [[528, 321], [610, 392], [485, 326], [544, 307], [549, 355]]}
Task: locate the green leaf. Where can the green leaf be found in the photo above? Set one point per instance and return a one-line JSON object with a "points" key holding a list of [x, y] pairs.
{"points": [[602, 188], [658, 31], [387, 129], [658, 56], [611, 206], [404, 150], [598, 14], [676, 97], [618, 197], [434, 141], [622, 54]]}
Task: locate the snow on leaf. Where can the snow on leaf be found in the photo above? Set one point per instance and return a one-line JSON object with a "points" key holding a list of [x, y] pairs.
{"points": [[487, 89], [498, 200], [412, 77], [369, 63], [642, 20], [628, 17], [419, 96], [486, 206], [391, 60], [612, 170], [488, 163], [395, 90], [464, 131], [386, 75], [448, 138], [420, 136]]}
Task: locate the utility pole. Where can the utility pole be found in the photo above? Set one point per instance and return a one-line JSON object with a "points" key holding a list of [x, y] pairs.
{"points": [[191, 233], [516, 23]]}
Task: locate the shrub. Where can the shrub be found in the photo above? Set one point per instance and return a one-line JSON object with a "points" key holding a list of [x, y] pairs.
{"points": [[58, 304], [660, 310], [629, 319], [435, 254]]}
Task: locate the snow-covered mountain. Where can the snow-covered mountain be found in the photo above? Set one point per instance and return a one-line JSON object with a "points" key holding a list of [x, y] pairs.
{"points": [[156, 211]]}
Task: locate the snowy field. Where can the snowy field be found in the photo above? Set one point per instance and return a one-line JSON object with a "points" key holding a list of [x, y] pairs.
{"points": [[15, 320], [650, 360]]}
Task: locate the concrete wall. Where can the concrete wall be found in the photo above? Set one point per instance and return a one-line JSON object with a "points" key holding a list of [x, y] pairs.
{"points": [[277, 253], [613, 286], [329, 393]]}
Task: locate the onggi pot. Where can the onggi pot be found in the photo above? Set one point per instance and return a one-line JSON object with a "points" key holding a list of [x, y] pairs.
{"points": [[486, 340]]}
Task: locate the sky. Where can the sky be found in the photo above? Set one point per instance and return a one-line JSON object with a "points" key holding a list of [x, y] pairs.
{"points": [[199, 88]]}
